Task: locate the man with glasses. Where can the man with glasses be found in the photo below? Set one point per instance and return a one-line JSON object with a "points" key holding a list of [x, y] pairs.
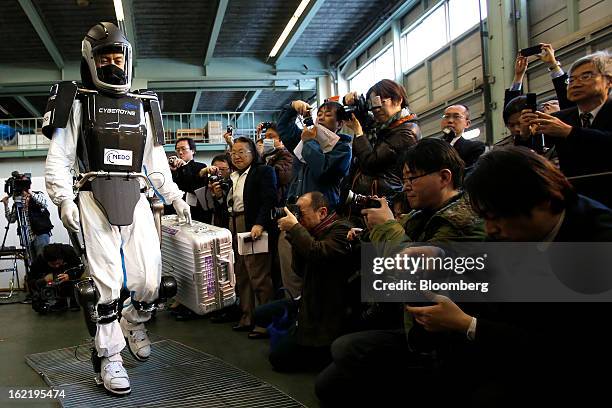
{"points": [[583, 134], [455, 120], [186, 174]]}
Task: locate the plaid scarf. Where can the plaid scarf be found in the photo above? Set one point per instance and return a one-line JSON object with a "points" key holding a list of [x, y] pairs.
{"points": [[325, 224]]}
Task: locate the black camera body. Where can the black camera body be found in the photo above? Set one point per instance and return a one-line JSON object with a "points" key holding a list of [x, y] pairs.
{"points": [[359, 202], [359, 108], [265, 126], [225, 184], [308, 121], [230, 129], [279, 212], [17, 183]]}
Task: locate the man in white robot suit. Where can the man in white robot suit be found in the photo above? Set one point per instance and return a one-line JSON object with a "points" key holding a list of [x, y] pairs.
{"points": [[118, 256]]}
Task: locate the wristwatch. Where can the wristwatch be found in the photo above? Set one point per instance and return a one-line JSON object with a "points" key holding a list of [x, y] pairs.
{"points": [[554, 67]]}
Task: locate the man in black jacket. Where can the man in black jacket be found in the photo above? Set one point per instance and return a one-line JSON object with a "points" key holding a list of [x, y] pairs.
{"points": [[186, 173], [583, 134], [501, 354], [455, 120]]}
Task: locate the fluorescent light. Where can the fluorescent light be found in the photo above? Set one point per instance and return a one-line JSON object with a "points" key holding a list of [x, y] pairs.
{"points": [[118, 10], [289, 27]]}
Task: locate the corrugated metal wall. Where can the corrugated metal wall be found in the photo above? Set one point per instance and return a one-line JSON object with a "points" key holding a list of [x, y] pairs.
{"points": [[454, 73]]}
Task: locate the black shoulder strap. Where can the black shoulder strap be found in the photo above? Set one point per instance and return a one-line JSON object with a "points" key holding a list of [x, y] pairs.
{"points": [[151, 105], [58, 107]]}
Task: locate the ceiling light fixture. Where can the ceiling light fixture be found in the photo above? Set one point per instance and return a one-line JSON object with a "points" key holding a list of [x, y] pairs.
{"points": [[118, 10], [288, 28]]}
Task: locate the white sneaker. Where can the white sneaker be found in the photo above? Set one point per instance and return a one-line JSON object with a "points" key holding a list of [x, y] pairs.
{"points": [[137, 339], [114, 376]]}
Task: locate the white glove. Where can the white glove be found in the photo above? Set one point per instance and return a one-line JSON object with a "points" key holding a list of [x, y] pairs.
{"points": [[182, 210], [70, 215]]}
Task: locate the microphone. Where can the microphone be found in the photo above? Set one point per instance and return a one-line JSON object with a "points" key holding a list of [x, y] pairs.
{"points": [[448, 134]]}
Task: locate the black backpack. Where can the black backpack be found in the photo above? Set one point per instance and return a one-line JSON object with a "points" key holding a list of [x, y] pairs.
{"points": [[40, 219]]}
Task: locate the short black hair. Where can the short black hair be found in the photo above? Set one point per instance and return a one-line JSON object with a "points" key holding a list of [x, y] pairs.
{"points": [[318, 200], [220, 157], [53, 252], [252, 147], [431, 155], [192, 144], [516, 105], [512, 180], [336, 107]]}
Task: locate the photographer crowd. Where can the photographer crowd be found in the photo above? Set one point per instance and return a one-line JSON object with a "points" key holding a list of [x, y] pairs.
{"points": [[344, 190], [359, 173]]}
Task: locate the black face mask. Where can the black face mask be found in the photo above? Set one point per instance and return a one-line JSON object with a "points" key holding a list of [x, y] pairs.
{"points": [[112, 74]]}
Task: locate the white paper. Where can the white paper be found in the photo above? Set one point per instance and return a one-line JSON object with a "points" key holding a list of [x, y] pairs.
{"points": [[326, 139], [257, 246]]}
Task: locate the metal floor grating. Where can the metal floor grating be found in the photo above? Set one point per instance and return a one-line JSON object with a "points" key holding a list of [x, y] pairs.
{"points": [[174, 376]]}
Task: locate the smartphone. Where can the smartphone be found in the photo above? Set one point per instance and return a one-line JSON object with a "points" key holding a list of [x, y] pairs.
{"points": [[527, 52], [532, 102]]}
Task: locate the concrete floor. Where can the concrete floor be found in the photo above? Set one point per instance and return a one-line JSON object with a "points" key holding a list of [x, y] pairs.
{"points": [[23, 331]]}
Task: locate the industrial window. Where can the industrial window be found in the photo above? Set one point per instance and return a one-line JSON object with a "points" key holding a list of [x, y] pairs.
{"points": [[376, 70], [448, 21], [463, 15], [426, 38]]}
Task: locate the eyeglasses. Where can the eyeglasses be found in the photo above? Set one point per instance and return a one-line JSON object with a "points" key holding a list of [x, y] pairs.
{"points": [[240, 153], [454, 116], [411, 179], [585, 76], [181, 149]]}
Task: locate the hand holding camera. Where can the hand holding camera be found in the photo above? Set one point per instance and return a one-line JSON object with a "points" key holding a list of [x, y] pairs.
{"points": [[174, 162], [377, 216], [301, 107], [309, 133], [288, 221]]}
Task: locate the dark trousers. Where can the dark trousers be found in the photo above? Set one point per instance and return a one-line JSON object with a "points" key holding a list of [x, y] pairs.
{"points": [[253, 278], [377, 368]]}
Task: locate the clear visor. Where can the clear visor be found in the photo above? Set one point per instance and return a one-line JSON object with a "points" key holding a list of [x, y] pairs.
{"points": [[111, 63], [116, 55]]}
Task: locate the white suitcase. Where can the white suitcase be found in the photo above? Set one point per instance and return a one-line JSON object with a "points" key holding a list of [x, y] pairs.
{"points": [[201, 259]]}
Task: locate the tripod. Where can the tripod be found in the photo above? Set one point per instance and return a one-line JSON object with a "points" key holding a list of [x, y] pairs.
{"points": [[24, 240]]}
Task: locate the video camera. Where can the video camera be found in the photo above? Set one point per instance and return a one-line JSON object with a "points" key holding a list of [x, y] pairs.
{"points": [[279, 212], [17, 183], [360, 108]]}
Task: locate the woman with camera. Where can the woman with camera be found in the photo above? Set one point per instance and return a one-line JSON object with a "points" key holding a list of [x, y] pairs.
{"points": [[379, 142], [249, 201]]}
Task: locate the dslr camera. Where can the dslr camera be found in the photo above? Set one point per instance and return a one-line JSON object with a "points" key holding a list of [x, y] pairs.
{"points": [[225, 184], [359, 202], [265, 126], [17, 183], [279, 212]]}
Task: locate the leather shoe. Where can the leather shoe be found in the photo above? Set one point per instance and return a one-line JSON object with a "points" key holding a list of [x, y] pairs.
{"points": [[242, 328], [256, 335], [225, 317]]}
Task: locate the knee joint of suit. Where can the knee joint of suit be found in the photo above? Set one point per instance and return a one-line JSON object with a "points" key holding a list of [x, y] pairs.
{"points": [[143, 306], [167, 288], [108, 312]]}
